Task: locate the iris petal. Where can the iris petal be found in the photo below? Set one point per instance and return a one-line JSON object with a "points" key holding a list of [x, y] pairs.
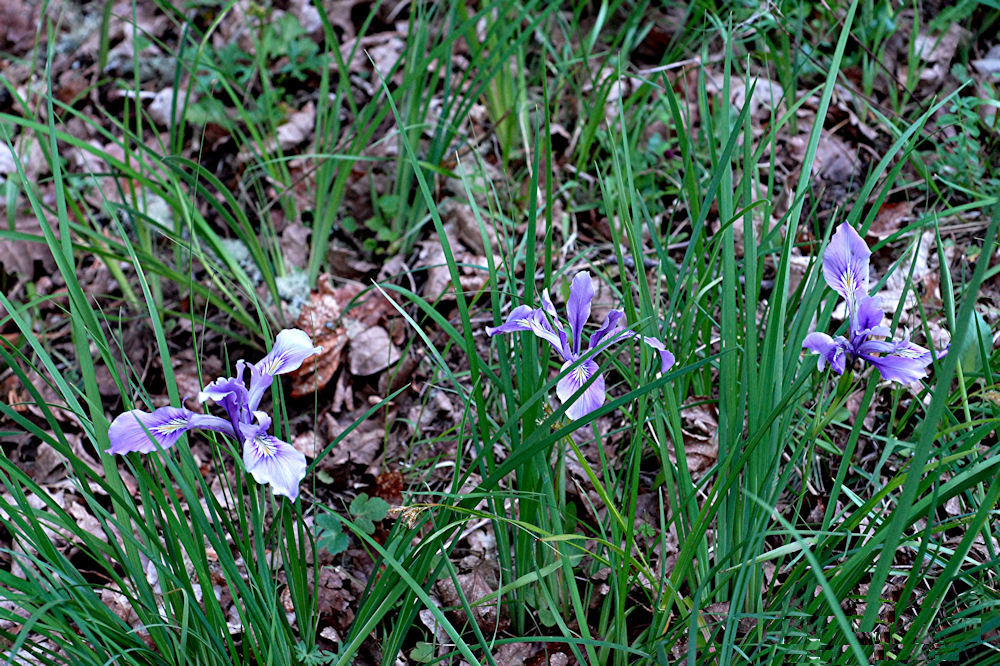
{"points": [[524, 318], [270, 460], [230, 393], [140, 431], [830, 350], [291, 347], [611, 324], [869, 316], [581, 293], [845, 264], [592, 397], [900, 369]]}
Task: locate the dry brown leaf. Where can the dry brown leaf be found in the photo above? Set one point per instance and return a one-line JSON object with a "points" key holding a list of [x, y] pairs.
{"points": [[900, 280], [295, 245], [890, 218], [853, 406], [371, 351], [700, 425], [479, 581], [389, 486], [516, 654], [19, 23], [466, 225], [835, 160], [297, 127], [990, 63], [321, 319], [307, 444], [765, 98], [361, 447], [384, 49], [439, 284], [939, 50]]}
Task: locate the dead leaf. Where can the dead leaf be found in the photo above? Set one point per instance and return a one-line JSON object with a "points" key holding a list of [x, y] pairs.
{"points": [[389, 486], [990, 63], [19, 21], [298, 127], [890, 218], [371, 351], [321, 319], [439, 284], [360, 447], [900, 280], [307, 444], [766, 97], [295, 245], [163, 102], [479, 581], [467, 226], [835, 161], [936, 53], [700, 425]]}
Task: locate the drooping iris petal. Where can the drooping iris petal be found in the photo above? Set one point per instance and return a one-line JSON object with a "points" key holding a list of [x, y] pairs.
{"points": [[581, 293], [901, 361], [611, 333], [845, 264], [291, 347], [271, 460], [259, 382], [898, 368], [136, 430], [549, 309], [868, 319], [830, 350], [230, 393], [610, 325], [519, 319], [666, 358], [524, 318], [592, 397]]}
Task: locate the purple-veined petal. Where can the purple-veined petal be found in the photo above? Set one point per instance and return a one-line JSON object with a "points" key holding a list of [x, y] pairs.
{"points": [[869, 347], [581, 293], [259, 382], [610, 325], [519, 319], [845, 264], [230, 393], [899, 367], [270, 460], [291, 347], [136, 430], [524, 318], [868, 318], [830, 350], [666, 358], [619, 334], [549, 309], [592, 397]]}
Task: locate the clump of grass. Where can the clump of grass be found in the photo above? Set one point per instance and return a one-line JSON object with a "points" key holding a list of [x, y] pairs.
{"points": [[613, 543]]}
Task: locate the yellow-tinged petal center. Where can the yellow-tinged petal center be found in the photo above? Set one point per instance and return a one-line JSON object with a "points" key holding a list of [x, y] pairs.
{"points": [[171, 426], [580, 374], [265, 447], [271, 367]]}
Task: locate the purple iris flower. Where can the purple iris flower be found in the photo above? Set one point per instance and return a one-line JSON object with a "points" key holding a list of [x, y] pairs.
{"points": [[544, 324], [845, 267], [267, 458]]}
